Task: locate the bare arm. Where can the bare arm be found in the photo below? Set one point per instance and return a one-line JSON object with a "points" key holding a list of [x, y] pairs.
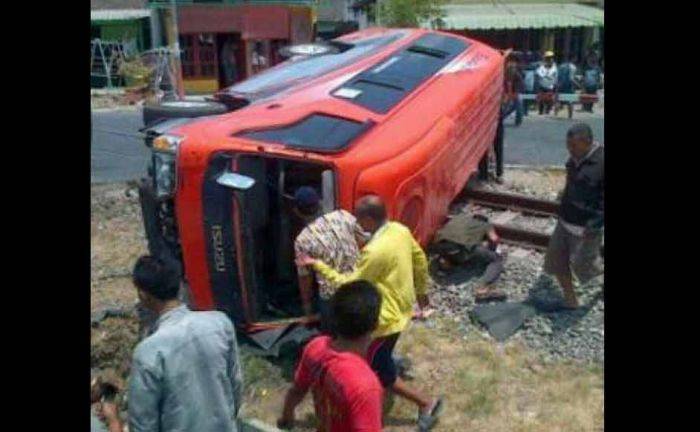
{"points": [[420, 273], [293, 398], [305, 290], [110, 412], [370, 267], [305, 278]]}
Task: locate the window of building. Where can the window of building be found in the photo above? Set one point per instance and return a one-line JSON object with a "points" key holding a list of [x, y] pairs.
{"points": [[198, 55]]}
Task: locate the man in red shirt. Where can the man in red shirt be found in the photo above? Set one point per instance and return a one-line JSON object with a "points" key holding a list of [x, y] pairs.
{"points": [[347, 393]]}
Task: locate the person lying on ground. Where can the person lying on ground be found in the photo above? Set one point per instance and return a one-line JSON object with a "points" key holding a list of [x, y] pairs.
{"points": [[185, 376], [472, 240], [575, 245], [330, 237], [393, 261], [347, 394]]}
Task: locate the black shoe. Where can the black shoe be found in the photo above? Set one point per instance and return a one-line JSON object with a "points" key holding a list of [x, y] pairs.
{"points": [[427, 421]]}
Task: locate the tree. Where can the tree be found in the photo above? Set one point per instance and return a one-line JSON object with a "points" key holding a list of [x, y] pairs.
{"points": [[410, 13]]}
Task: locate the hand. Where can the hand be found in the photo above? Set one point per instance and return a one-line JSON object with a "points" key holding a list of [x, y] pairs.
{"points": [[424, 314], [95, 390], [109, 412], [285, 423], [304, 261]]}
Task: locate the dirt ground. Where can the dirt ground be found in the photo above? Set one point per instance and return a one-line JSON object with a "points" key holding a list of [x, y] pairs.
{"points": [[487, 386]]}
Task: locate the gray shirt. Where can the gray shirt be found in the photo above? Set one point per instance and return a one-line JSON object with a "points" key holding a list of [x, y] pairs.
{"points": [[186, 376]]}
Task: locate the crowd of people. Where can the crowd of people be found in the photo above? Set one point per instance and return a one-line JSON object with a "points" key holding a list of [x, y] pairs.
{"points": [[530, 73], [368, 277]]}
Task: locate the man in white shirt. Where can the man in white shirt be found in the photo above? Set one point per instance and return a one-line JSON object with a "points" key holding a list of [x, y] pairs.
{"points": [[547, 76]]}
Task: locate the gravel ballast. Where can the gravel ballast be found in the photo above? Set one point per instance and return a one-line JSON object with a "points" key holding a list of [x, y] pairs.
{"points": [[576, 335]]}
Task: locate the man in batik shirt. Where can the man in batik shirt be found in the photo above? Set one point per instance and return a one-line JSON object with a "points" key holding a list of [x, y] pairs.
{"points": [[330, 237]]}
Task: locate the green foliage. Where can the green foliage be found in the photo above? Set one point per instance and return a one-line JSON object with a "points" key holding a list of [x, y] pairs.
{"points": [[135, 68], [410, 13]]}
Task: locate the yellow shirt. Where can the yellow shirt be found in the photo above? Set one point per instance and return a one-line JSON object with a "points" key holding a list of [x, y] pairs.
{"points": [[395, 263]]}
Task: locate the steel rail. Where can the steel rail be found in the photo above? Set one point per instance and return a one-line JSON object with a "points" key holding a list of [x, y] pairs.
{"points": [[510, 201], [518, 203]]}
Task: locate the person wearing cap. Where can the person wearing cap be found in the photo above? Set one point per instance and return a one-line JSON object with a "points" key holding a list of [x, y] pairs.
{"points": [[329, 237], [548, 75]]}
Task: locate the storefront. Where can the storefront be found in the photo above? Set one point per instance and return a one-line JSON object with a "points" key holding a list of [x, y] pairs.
{"points": [[128, 26], [225, 43], [570, 30]]}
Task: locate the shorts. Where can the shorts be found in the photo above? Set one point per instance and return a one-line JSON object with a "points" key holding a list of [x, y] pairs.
{"points": [[580, 255], [381, 359]]}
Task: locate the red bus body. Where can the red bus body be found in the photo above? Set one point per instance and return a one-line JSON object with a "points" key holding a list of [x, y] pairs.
{"points": [[418, 156]]}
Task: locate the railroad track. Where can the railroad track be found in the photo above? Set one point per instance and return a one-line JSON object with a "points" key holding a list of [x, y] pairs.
{"points": [[512, 205]]}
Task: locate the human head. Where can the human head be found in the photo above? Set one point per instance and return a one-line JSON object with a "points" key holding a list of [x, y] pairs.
{"points": [[370, 212], [579, 139], [307, 201], [355, 310], [513, 59], [548, 58], [155, 282]]}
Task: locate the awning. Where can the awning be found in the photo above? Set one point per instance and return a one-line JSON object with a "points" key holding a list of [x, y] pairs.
{"points": [[119, 14], [520, 16], [251, 21]]}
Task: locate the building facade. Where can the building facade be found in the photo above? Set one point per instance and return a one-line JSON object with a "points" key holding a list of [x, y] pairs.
{"points": [[338, 17], [124, 21], [225, 41], [570, 29]]}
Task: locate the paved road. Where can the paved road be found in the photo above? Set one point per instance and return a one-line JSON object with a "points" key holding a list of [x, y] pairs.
{"points": [[117, 150], [541, 140], [118, 153]]}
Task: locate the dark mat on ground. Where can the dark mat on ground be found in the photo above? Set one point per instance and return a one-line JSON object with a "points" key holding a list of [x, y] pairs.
{"points": [[269, 343], [502, 320]]}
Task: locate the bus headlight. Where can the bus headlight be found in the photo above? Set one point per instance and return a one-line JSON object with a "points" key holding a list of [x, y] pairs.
{"points": [[164, 158]]}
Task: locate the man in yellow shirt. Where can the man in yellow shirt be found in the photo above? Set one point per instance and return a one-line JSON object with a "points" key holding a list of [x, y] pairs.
{"points": [[394, 262]]}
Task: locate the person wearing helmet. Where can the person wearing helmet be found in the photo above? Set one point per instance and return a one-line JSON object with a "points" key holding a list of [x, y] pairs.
{"points": [[547, 74]]}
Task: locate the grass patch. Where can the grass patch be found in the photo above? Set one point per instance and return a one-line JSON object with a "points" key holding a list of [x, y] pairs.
{"points": [[487, 387]]}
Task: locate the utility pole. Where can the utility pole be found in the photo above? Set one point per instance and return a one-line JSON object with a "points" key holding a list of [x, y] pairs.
{"points": [[173, 37]]}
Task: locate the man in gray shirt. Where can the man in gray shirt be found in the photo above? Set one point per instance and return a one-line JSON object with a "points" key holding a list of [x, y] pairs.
{"points": [[186, 376]]}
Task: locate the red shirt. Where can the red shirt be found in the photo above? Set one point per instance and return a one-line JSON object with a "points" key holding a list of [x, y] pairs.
{"points": [[347, 393]]}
